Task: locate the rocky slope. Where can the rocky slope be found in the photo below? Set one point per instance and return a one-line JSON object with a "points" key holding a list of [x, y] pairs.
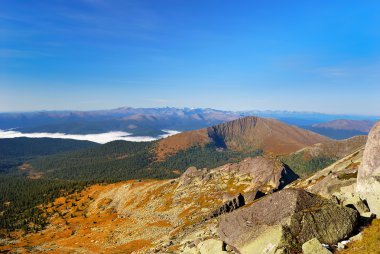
{"points": [[330, 181], [153, 215], [353, 182], [249, 133]]}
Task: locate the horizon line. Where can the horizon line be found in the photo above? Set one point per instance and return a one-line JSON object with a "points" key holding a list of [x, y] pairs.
{"points": [[191, 108]]}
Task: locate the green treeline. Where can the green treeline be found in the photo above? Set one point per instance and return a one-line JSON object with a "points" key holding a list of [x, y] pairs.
{"points": [[67, 172], [20, 197]]}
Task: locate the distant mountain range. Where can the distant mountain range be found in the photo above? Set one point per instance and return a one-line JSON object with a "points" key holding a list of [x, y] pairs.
{"points": [[137, 121], [342, 128], [343, 124], [152, 121]]}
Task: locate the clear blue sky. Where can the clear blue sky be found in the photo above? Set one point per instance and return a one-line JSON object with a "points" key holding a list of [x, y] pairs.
{"points": [[90, 54]]}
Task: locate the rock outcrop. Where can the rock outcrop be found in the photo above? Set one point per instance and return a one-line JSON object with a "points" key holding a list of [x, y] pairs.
{"points": [[285, 220], [249, 177], [191, 174], [368, 181]]}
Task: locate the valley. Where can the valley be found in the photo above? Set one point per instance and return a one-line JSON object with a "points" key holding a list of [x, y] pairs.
{"points": [[169, 196]]}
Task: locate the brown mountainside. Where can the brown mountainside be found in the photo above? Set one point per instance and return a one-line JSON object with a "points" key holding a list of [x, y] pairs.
{"points": [[270, 135], [249, 133]]}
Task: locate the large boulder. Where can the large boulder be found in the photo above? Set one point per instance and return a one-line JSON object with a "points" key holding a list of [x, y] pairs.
{"points": [[283, 221], [368, 181]]}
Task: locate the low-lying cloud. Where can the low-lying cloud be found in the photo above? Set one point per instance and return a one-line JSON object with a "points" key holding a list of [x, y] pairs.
{"points": [[101, 138]]}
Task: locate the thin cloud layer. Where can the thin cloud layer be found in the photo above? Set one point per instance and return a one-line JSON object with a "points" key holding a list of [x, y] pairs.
{"points": [[101, 138]]}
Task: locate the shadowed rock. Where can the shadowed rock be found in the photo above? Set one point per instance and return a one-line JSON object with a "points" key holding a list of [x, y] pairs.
{"points": [[228, 207]]}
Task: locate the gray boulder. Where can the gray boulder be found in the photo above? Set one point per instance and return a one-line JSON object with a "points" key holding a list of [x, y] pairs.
{"points": [[368, 181], [284, 221]]}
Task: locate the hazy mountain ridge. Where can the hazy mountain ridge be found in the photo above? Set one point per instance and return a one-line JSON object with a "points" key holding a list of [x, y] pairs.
{"points": [[149, 121], [135, 120], [342, 128], [344, 124]]}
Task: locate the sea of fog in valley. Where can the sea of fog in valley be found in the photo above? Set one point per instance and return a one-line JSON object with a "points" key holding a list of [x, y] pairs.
{"points": [[100, 138]]}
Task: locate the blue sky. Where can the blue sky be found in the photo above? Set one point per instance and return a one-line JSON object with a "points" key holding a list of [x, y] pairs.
{"points": [[90, 54]]}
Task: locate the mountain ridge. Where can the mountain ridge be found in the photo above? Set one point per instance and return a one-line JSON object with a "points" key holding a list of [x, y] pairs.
{"points": [[248, 133], [347, 124]]}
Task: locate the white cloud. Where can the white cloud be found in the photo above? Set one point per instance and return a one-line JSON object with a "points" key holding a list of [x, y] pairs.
{"points": [[101, 138], [169, 133]]}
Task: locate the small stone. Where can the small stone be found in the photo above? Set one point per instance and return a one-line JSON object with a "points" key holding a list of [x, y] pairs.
{"points": [[335, 200], [313, 246], [342, 245], [211, 246], [357, 203], [281, 251], [368, 215], [357, 237]]}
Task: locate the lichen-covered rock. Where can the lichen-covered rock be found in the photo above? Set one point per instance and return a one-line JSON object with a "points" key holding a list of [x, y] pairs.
{"points": [[313, 246], [368, 182], [285, 220]]}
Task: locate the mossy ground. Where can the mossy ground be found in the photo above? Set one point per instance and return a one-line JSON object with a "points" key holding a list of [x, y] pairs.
{"points": [[370, 244]]}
